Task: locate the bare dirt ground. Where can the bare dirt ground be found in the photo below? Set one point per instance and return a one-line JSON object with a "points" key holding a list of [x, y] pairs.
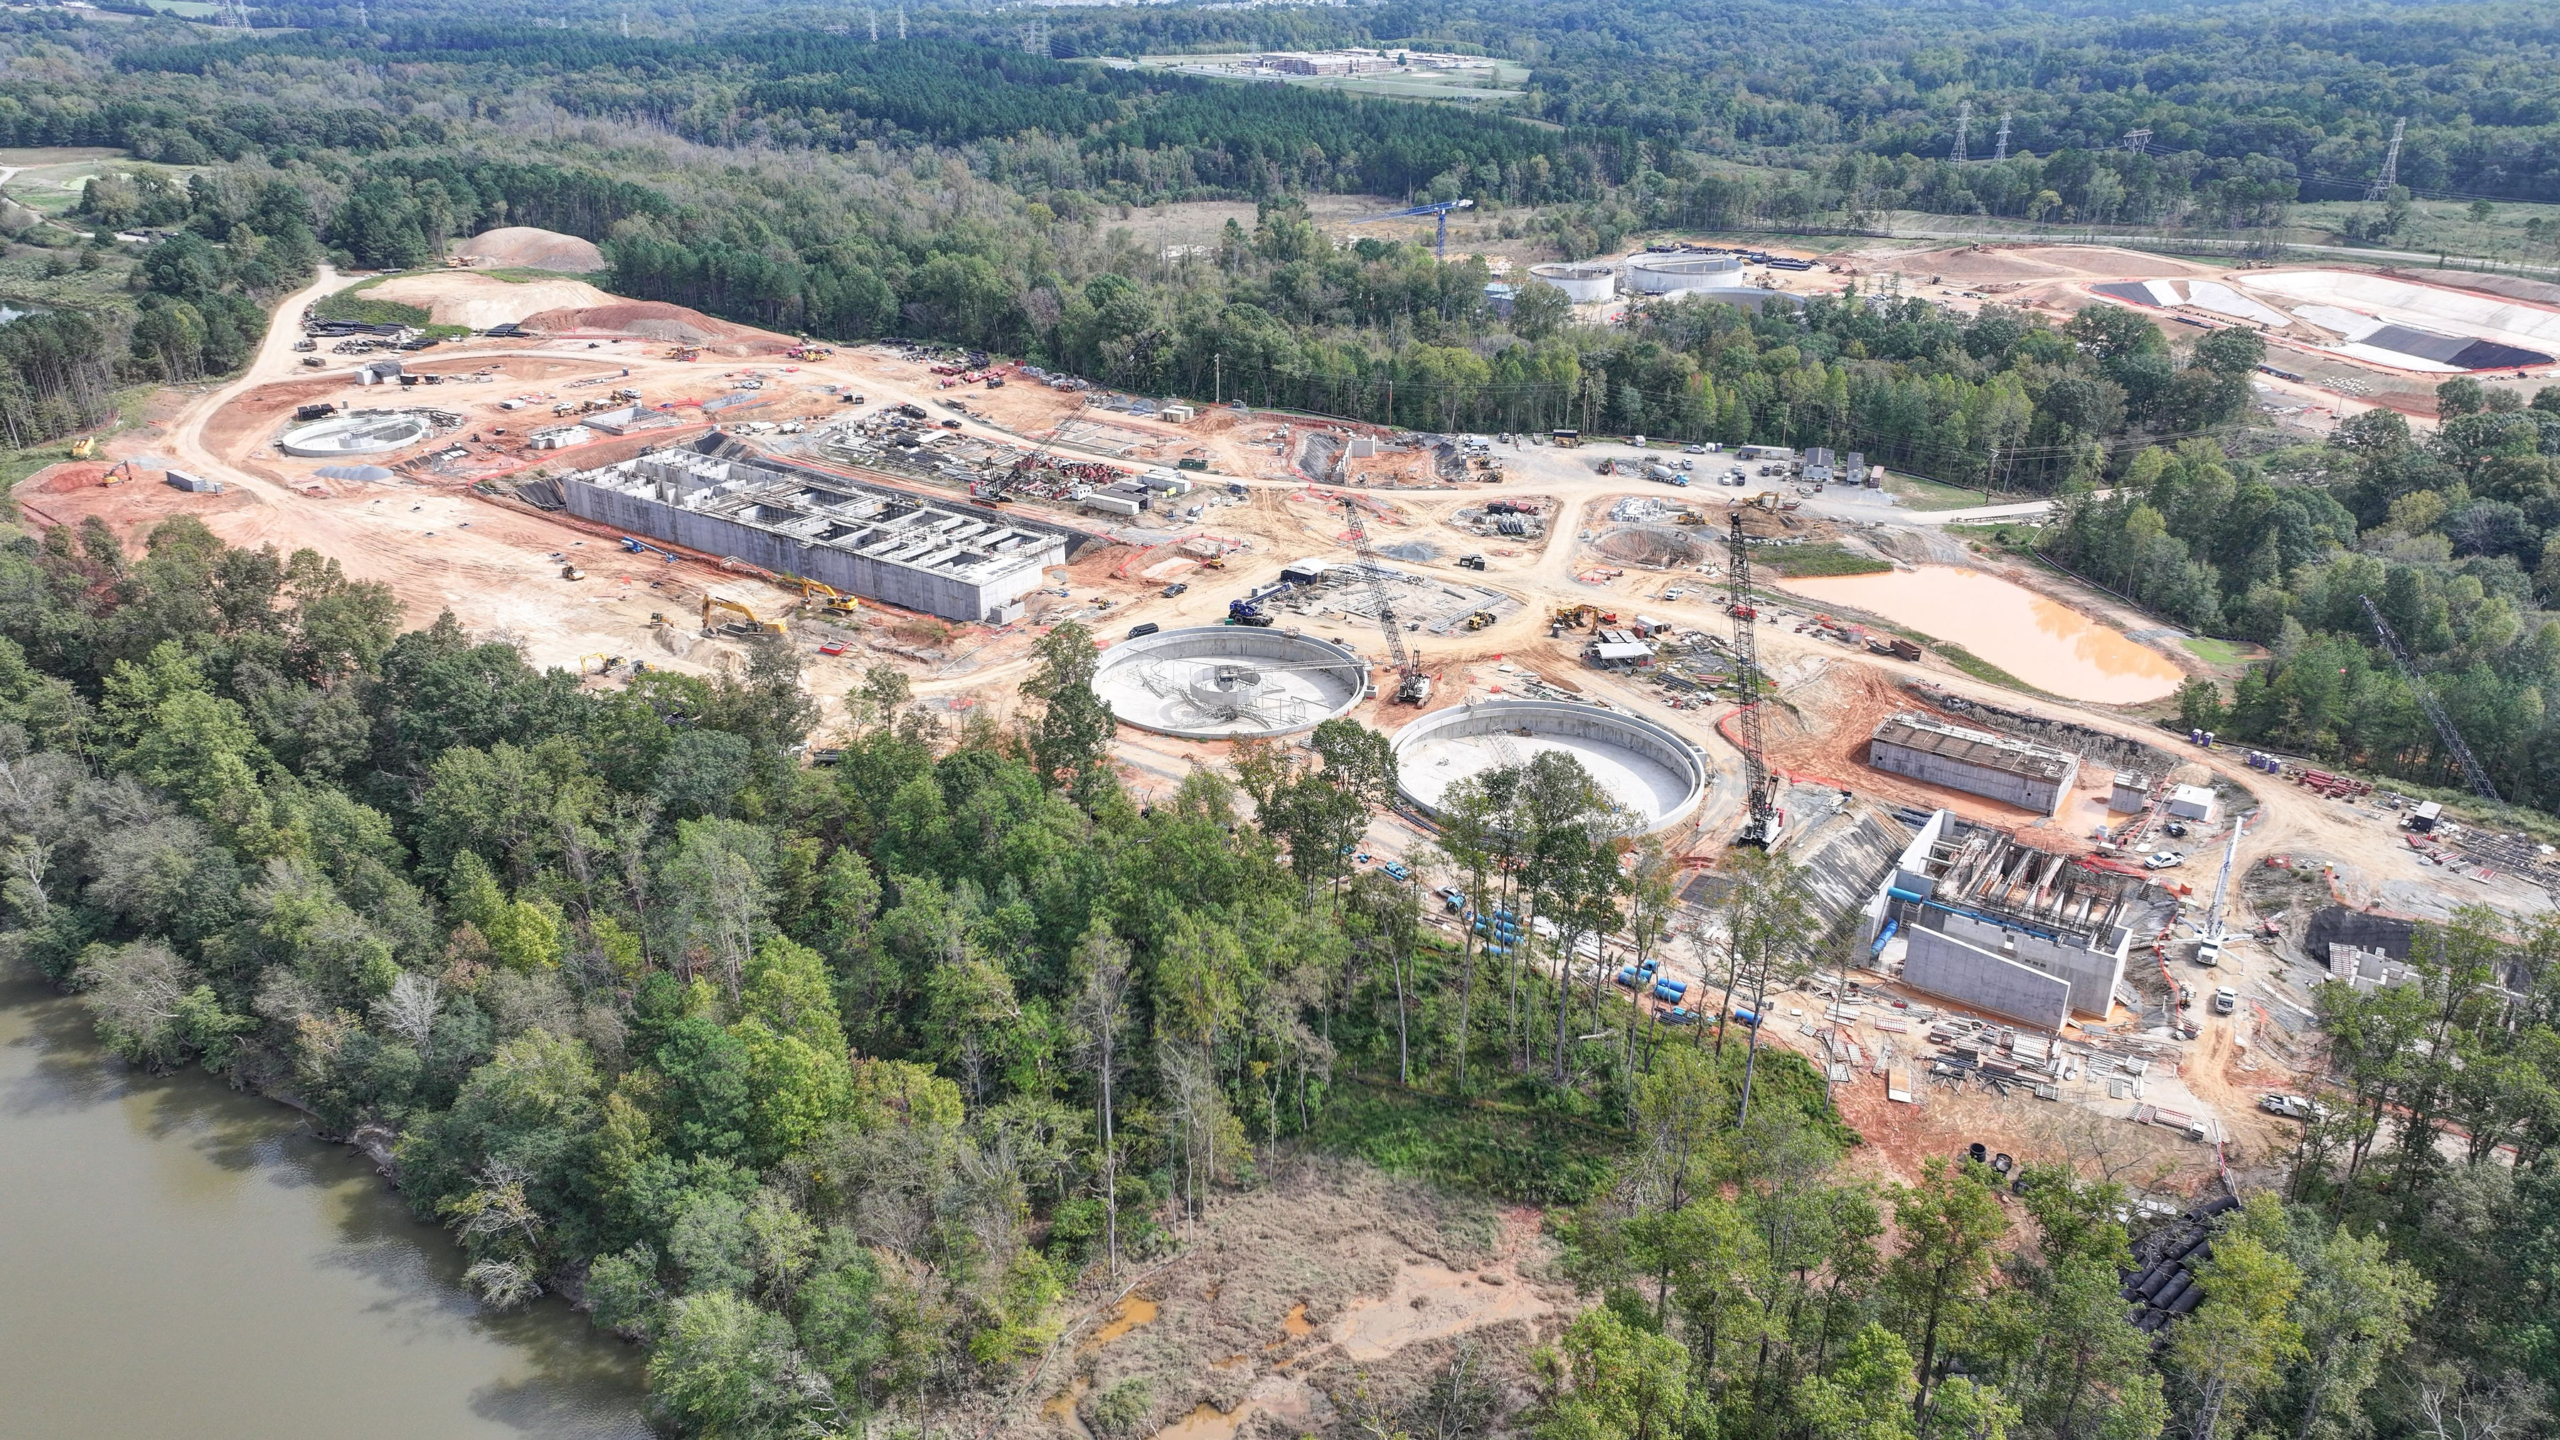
{"points": [[524, 247], [459, 297], [1327, 1289]]}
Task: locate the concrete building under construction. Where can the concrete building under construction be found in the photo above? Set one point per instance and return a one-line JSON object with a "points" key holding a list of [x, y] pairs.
{"points": [[1999, 926], [1977, 762], [946, 558]]}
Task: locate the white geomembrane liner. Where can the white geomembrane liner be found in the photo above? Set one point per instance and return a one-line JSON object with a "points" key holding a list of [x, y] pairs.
{"points": [[2407, 302]]}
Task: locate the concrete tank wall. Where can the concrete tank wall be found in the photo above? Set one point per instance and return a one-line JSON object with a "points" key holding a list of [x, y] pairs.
{"points": [[1580, 283], [1942, 965], [1118, 677], [1671, 274], [2025, 791], [1566, 721]]}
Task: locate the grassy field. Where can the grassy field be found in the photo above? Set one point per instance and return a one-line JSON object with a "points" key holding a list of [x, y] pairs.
{"points": [[1981, 669], [54, 278], [2215, 652], [1798, 561], [1918, 494]]}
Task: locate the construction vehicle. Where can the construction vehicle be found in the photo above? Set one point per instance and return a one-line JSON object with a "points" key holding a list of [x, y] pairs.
{"points": [[1247, 612], [1578, 616], [685, 352], [314, 361], [642, 547], [1413, 687], [572, 572], [1480, 619], [122, 472], [1471, 562], [830, 600], [85, 448], [810, 351], [748, 621], [1565, 439], [1762, 819]]}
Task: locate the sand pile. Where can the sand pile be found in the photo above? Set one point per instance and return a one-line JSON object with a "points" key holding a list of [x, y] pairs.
{"points": [[523, 247], [458, 297]]}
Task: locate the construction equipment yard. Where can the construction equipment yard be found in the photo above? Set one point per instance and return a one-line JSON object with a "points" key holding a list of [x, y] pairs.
{"points": [[1488, 568]]}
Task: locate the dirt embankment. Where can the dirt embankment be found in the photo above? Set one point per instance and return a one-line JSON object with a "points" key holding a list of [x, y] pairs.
{"points": [[458, 297], [656, 320]]}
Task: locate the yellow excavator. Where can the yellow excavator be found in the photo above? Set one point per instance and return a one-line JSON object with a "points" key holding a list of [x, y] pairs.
{"points": [[754, 624], [830, 600]]}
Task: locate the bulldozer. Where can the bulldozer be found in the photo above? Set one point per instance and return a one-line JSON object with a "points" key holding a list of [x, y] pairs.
{"points": [[85, 448], [1480, 619], [747, 623]]}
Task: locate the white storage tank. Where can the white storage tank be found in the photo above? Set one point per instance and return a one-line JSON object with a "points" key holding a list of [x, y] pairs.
{"points": [[1672, 274], [1580, 283]]}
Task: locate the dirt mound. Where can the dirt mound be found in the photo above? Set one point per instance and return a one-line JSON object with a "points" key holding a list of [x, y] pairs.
{"points": [[2027, 263], [1654, 545], [655, 320], [458, 297], [523, 247]]}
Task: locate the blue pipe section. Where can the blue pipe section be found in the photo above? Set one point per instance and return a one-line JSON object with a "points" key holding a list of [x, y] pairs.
{"points": [[1898, 893], [1878, 948]]}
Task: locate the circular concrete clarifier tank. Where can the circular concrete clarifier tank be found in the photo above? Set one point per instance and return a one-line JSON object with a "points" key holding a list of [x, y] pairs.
{"points": [[1581, 284], [363, 432], [1672, 274], [1650, 770], [1229, 682]]}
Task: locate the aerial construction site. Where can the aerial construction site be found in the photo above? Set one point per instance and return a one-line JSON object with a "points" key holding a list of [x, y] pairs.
{"points": [[616, 487]]}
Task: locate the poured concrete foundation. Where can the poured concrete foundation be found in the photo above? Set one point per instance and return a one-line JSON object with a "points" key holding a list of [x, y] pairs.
{"points": [[1229, 682], [364, 432], [1648, 770], [1675, 274], [1581, 283]]}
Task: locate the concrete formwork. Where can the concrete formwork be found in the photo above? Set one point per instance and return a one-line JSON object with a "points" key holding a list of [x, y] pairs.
{"points": [[1651, 771], [1580, 283], [1229, 682]]}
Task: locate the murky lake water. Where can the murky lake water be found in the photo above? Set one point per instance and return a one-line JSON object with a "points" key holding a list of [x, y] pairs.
{"points": [[2047, 644], [178, 1259]]}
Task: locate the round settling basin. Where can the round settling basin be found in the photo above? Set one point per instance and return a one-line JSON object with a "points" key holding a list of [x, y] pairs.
{"points": [[1229, 682], [1649, 770], [1671, 274], [366, 432], [1580, 283]]}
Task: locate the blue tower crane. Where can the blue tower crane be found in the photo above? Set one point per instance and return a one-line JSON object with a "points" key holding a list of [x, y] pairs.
{"points": [[1440, 209]]}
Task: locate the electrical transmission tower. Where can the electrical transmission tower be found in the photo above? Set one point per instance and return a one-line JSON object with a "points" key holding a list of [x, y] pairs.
{"points": [[2000, 150], [2380, 189], [1964, 122], [626, 24], [902, 22], [874, 17], [1035, 37], [2452, 738], [2137, 140]]}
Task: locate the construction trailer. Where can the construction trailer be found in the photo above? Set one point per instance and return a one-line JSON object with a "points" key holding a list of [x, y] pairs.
{"points": [[1997, 925], [943, 557], [1977, 762]]}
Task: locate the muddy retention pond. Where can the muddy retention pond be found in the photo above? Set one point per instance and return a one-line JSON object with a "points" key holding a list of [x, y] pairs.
{"points": [[182, 1259], [2045, 643]]}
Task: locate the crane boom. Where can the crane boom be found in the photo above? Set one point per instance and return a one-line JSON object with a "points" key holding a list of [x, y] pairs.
{"points": [[1441, 209], [1412, 686], [1762, 819], [2470, 763]]}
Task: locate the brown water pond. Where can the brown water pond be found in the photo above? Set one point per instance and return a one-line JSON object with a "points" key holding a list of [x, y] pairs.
{"points": [[2045, 643]]}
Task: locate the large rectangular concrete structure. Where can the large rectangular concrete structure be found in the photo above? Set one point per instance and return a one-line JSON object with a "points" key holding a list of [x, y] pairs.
{"points": [[950, 560], [2002, 927], [1977, 762]]}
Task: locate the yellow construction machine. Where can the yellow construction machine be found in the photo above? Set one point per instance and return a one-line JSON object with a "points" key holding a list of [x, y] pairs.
{"points": [[748, 619], [830, 600], [1480, 619], [85, 448], [1577, 616]]}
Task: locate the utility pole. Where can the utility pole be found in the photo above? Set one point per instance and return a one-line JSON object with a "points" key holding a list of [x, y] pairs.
{"points": [[1218, 369], [2380, 189], [874, 17], [626, 24], [2000, 151], [1964, 122]]}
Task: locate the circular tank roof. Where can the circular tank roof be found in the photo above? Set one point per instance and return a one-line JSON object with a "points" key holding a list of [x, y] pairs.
{"points": [[1653, 772], [363, 432], [1571, 272], [1229, 682]]}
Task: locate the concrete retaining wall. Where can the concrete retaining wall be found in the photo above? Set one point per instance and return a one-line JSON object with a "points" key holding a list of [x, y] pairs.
{"points": [[1942, 965]]}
